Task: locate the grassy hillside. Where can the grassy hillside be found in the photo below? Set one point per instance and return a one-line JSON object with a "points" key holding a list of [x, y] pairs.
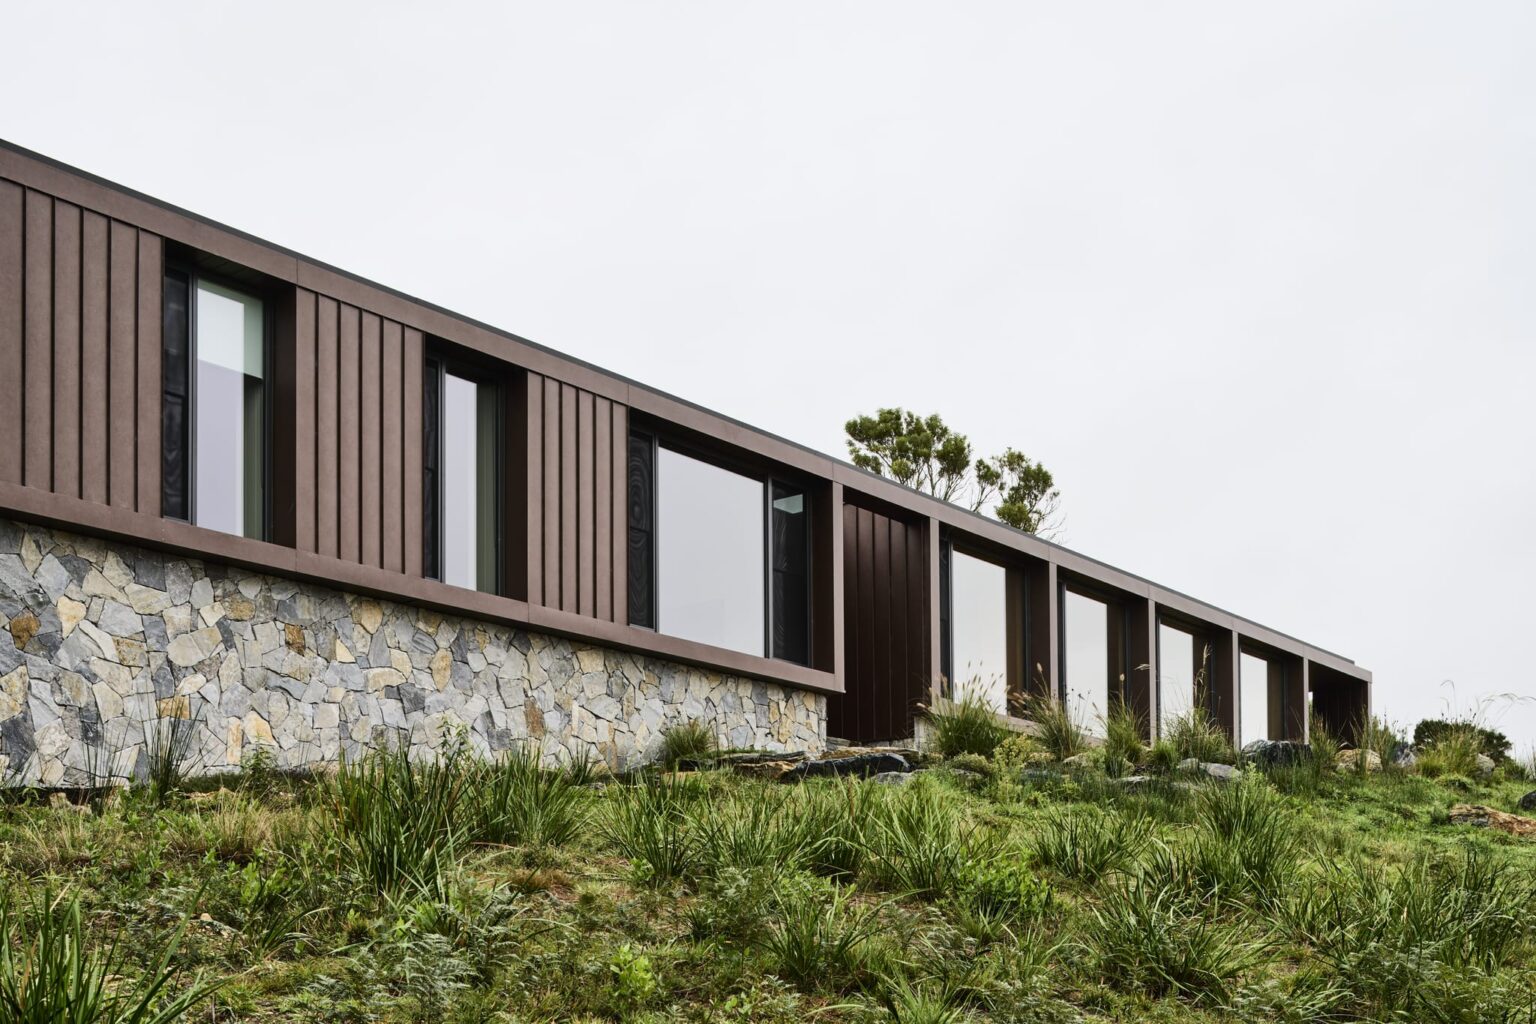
{"points": [[1005, 889]]}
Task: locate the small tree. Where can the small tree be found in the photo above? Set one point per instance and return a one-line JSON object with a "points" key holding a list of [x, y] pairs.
{"points": [[925, 453]]}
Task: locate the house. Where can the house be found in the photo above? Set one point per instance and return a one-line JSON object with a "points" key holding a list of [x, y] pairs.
{"points": [[309, 514]]}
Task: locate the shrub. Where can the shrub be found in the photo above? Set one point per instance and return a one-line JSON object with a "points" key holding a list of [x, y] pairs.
{"points": [[1004, 890], [47, 974], [818, 943], [1123, 744], [515, 800], [967, 727], [1055, 731], [1453, 751], [649, 824], [1086, 844], [1431, 731], [919, 843], [687, 741], [1145, 941], [1196, 734], [399, 819]]}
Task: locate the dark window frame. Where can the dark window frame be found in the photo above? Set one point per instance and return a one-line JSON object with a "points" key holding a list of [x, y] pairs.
{"points": [[190, 274], [644, 578], [438, 362]]}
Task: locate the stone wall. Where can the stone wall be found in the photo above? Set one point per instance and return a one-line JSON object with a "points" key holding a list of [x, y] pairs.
{"points": [[102, 644]]}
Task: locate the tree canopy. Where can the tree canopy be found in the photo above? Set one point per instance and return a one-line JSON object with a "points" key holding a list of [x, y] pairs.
{"points": [[925, 453]]}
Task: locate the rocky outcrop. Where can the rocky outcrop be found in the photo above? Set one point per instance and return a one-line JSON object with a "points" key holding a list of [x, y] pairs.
{"points": [[1275, 753], [1487, 817], [1349, 760], [1210, 769], [98, 641]]}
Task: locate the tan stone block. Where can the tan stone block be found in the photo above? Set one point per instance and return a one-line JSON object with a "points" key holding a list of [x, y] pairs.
{"points": [[294, 636], [239, 607], [442, 669], [591, 659], [31, 552], [97, 585], [179, 706], [23, 628], [116, 570], [257, 729], [13, 693], [70, 614], [378, 678], [146, 600], [367, 613], [234, 741], [344, 653]]}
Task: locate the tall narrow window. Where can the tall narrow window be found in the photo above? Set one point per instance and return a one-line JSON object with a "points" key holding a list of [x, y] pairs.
{"points": [[460, 443], [1175, 674], [978, 623], [1086, 651], [790, 556], [1253, 698], [214, 411]]}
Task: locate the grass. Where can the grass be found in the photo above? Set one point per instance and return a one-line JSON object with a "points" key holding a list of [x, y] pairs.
{"points": [[966, 727], [477, 890], [689, 741]]}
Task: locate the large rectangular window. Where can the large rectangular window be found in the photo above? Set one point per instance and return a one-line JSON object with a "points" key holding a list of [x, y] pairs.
{"points": [[461, 446], [1085, 629], [1175, 673], [214, 412], [718, 556], [978, 623], [1253, 699]]}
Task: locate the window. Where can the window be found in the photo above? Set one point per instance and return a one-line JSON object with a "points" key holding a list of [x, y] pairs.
{"points": [[1085, 628], [1175, 673], [214, 410], [1253, 699], [718, 556], [978, 624], [461, 487]]}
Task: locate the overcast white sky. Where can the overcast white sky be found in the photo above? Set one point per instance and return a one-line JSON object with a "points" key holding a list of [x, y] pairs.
{"points": [[1256, 284]]}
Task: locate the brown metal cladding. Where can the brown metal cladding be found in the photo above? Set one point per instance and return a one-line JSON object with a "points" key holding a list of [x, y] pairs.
{"points": [[122, 365], [37, 393], [147, 444], [66, 349], [12, 262], [412, 357], [349, 412], [371, 432], [576, 446], [94, 230], [305, 410], [885, 623], [392, 448], [327, 427]]}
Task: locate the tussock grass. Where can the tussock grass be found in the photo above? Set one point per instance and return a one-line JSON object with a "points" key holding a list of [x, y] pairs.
{"points": [[966, 727], [686, 741]]}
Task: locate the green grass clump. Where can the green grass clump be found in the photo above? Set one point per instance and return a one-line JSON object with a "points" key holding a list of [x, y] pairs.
{"points": [[517, 801], [1085, 844], [687, 741], [966, 727], [1055, 731], [1197, 734], [49, 972]]}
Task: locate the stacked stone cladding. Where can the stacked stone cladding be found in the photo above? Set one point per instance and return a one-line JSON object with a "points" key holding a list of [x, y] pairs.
{"points": [[103, 645]]}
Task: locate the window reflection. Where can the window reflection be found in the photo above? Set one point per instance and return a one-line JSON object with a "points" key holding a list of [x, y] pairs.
{"points": [[1175, 673], [468, 506], [979, 630], [710, 563], [1253, 699], [229, 474], [1086, 628]]}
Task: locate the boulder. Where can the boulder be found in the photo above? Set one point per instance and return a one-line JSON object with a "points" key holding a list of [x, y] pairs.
{"points": [[1404, 756], [893, 778], [1211, 769], [1275, 753], [1487, 817], [1485, 766], [863, 765], [1528, 802], [1132, 781], [1349, 760], [1087, 759]]}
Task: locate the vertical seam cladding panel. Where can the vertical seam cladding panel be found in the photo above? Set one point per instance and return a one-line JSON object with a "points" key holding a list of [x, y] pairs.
{"points": [[12, 263], [66, 349]]}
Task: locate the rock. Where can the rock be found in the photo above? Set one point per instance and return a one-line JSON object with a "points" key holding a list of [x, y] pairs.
{"points": [[892, 778], [1132, 781], [23, 628], [1349, 760], [1485, 766], [749, 757], [1528, 802], [1211, 769], [862, 764], [60, 802], [1404, 756], [1086, 759], [1029, 776], [1487, 817], [1275, 753]]}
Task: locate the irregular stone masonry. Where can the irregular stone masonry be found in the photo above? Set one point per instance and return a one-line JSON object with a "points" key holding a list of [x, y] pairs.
{"points": [[101, 644]]}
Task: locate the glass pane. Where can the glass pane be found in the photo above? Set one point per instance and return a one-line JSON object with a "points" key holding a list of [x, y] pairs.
{"points": [[791, 576], [1087, 654], [1175, 673], [230, 403], [461, 460], [1253, 700], [709, 554], [978, 623]]}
